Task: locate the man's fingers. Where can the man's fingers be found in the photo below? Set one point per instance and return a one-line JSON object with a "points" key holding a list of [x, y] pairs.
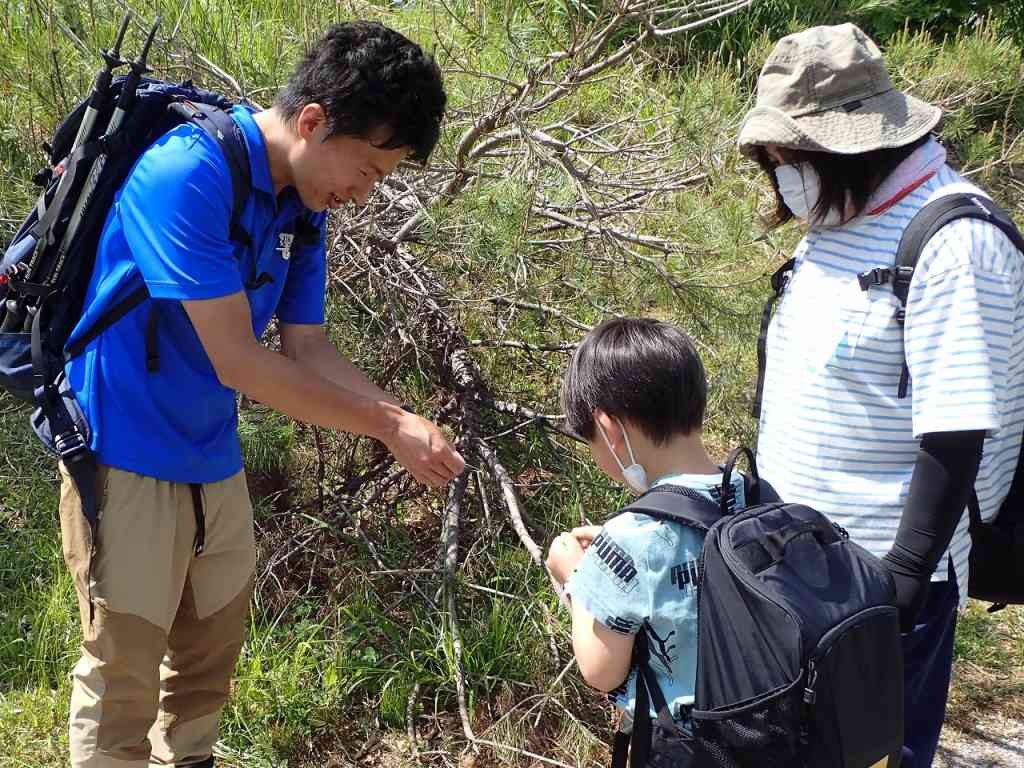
{"points": [[434, 476], [454, 462]]}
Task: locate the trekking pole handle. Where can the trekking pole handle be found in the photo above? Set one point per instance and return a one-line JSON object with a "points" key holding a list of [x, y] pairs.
{"points": [[113, 56], [112, 59], [138, 68], [141, 63]]}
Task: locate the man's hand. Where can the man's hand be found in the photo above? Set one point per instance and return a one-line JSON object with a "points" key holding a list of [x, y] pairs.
{"points": [[420, 447], [224, 326], [563, 557]]}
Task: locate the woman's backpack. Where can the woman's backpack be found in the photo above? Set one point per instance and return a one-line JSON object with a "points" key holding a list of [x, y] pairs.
{"points": [[997, 545], [799, 661]]}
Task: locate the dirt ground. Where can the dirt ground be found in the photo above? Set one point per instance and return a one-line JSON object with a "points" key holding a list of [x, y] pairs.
{"points": [[994, 741]]}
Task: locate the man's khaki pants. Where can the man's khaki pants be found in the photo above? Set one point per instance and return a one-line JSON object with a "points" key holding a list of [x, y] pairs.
{"points": [[158, 653]]}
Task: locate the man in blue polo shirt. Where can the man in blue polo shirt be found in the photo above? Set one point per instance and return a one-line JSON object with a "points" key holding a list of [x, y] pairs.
{"points": [[164, 590]]}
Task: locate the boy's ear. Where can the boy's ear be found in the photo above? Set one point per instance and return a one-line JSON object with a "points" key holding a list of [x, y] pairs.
{"points": [[610, 426]]}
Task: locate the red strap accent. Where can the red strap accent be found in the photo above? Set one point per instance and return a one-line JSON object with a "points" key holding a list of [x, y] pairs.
{"points": [[900, 195]]}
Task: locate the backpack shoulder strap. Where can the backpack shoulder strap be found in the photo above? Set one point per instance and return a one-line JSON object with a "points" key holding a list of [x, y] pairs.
{"points": [[637, 744], [925, 224], [677, 504], [221, 128], [218, 125], [779, 279], [751, 480], [933, 217]]}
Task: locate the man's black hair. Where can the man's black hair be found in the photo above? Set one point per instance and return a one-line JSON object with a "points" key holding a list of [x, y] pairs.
{"points": [[638, 369], [368, 77], [846, 180]]}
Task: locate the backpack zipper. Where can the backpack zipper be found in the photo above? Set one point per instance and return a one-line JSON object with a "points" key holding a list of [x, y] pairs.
{"points": [[812, 679]]}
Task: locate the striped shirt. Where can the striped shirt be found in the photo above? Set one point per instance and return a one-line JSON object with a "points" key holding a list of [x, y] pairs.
{"points": [[833, 433]]}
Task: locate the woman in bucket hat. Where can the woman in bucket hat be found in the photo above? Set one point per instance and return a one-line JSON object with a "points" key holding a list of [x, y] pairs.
{"points": [[852, 158]]}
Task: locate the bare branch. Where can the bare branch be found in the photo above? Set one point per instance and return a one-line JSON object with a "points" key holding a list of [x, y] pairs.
{"points": [[541, 308]]}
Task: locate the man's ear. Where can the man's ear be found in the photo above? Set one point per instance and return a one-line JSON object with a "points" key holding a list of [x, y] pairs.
{"points": [[309, 121]]}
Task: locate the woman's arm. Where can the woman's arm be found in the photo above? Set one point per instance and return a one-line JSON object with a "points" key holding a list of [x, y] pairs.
{"points": [[940, 488]]}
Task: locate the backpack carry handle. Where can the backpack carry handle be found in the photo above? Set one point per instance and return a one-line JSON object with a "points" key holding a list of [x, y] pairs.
{"points": [[751, 488]]}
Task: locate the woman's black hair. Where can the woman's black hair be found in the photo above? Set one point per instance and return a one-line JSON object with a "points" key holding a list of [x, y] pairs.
{"points": [[847, 181]]}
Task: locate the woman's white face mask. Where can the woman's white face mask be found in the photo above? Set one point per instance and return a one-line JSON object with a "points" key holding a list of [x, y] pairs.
{"points": [[800, 188]]}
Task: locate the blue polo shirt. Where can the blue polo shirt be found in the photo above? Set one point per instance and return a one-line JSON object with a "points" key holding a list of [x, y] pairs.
{"points": [[168, 227]]}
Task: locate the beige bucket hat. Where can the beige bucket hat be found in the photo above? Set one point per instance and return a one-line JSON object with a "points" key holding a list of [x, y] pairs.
{"points": [[826, 89]]}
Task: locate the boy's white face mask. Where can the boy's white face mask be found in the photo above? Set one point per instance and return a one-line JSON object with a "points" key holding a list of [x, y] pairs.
{"points": [[800, 188], [635, 476]]}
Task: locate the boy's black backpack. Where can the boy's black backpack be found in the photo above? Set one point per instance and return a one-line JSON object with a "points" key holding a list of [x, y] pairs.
{"points": [[799, 662], [46, 270], [997, 545]]}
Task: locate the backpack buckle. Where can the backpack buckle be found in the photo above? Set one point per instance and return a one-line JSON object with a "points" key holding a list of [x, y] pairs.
{"points": [[781, 276], [874, 277], [70, 445], [186, 109]]}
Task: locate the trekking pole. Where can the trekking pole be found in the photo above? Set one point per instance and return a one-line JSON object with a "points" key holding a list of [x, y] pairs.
{"points": [[100, 88], [125, 99], [124, 104], [13, 261]]}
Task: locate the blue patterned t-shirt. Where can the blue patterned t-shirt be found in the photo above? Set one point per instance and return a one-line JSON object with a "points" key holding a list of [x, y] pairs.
{"points": [[638, 570]]}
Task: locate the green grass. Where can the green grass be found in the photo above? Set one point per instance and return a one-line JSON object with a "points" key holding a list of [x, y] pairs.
{"points": [[336, 647], [989, 668]]}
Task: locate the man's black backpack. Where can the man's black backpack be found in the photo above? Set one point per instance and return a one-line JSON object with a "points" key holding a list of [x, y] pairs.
{"points": [[46, 270], [799, 660], [997, 545]]}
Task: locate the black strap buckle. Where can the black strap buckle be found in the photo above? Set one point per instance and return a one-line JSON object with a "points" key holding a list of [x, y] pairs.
{"points": [[876, 276], [781, 276], [70, 445]]}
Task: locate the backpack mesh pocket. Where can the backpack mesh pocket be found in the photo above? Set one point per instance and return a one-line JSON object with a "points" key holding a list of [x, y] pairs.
{"points": [[765, 734], [671, 749]]}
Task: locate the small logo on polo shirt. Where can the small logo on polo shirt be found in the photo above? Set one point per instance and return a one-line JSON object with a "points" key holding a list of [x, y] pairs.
{"points": [[284, 244]]}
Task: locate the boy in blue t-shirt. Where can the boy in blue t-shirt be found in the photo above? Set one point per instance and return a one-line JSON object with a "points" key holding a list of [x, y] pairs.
{"points": [[636, 391]]}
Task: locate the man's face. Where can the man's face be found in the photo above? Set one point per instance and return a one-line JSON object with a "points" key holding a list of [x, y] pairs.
{"points": [[330, 171]]}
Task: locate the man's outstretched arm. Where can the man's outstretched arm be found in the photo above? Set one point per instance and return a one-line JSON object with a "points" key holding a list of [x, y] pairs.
{"points": [[224, 327], [309, 346]]}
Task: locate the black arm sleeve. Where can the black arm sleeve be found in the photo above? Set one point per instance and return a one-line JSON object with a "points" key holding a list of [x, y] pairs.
{"points": [[941, 486]]}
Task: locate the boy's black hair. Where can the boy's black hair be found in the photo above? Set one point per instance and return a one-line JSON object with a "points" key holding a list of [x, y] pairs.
{"points": [[367, 77], [844, 178], [639, 369]]}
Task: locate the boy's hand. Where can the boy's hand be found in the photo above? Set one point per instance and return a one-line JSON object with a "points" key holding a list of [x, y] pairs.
{"points": [[585, 534], [563, 556]]}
